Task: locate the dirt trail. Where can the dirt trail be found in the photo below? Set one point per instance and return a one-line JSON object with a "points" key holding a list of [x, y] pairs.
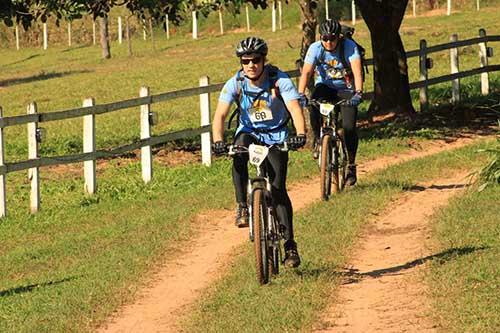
{"points": [[178, 283], [382, 292]]}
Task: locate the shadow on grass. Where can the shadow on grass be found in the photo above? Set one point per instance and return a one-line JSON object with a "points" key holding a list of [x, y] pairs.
{"points": [[39, 77], [74, 48], [23, 60], [31, 287], [354, 276]]}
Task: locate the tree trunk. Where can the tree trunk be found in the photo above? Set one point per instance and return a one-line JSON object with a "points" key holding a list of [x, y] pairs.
{"points": [[390, 69], [104, 34], [309, 23]]}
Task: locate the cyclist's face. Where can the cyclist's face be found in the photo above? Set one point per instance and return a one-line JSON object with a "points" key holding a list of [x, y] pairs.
{"points": [[253, 65], [329, 42]]}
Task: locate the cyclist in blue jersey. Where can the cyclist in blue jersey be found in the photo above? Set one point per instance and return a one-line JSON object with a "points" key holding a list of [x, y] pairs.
{"points": [[324, 59], [266, 98]]}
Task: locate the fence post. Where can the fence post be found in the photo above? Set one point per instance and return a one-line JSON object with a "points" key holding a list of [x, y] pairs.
{"points": [[146, 155], [93, 32], [33, 174], [17, 37], [89, 147], [483, 55], [448, 8], [248, 18], [144, 33], [424, 103], [327, 10], [414, 8], [455, 84], [353, 12], [195, 25], [280, 15], [273, 11], [120, 30], [69, 33], [3, 197], [45, 37], [220, 22], [206, 149], [477, 4]]}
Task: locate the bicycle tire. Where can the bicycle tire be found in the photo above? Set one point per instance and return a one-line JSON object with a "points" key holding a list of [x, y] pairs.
{"points": [[274, 250], [259, 212], [325, 167], [342, 170], [336, 166]]}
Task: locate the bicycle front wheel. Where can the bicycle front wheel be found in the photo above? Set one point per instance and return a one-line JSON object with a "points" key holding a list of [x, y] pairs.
{"points": [[260, 218], [326, 162]]}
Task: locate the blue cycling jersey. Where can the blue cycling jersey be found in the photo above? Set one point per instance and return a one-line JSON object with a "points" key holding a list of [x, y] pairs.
{"points": [[263, 114], [328, 65]]}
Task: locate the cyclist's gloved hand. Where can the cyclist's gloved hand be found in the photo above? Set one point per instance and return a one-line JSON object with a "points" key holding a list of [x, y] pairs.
{"points": [[303, 100], [298, 141], [219, 148], [356, 99]]}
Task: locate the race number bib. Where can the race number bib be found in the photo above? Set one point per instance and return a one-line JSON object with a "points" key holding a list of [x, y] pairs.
{"points": [[260, 114]]}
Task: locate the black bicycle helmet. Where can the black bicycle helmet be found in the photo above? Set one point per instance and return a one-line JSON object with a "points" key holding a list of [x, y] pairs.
{"points": [[251, 45], [330, 27]]}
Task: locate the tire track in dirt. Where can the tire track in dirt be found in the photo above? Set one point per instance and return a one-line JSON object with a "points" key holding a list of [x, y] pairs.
{"points": [[382, 291], [178, 283]]}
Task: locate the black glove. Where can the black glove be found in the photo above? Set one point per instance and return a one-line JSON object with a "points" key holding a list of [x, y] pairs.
{"points": [[356, 99], [219, 148], [303, 101], [298, 141]]}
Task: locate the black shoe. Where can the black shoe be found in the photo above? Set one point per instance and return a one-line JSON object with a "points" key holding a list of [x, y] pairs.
{"points": [[350, 178], [315, 148], [241, 216], [292, 258]]}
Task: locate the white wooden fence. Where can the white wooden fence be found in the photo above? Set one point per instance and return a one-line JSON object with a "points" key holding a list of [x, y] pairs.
{"points": [[90, 110]]}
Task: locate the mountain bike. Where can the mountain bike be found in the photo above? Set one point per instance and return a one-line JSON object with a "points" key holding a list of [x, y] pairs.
{"points": [[265, 231], [332, 151]]}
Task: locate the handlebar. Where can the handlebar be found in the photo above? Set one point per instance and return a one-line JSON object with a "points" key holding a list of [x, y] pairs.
{"points": [[237, 149]]}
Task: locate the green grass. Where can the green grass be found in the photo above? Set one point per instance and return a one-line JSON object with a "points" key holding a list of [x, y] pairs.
{"points": [[326, 232], [465, 284]]}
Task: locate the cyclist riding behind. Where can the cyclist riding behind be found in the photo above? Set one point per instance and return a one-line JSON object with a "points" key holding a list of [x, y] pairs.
{"points": [[263, 94], [333, 76]]}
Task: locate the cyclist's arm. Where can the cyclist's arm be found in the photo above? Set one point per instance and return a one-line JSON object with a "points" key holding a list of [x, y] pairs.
{"points": [[307, 71], [221, 113], [357, 72], [297, 116]]}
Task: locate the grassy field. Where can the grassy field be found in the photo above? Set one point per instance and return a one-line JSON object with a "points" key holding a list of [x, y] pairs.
{"points": [[465, 286], [326, 231], [61, 77], [71, 265]]}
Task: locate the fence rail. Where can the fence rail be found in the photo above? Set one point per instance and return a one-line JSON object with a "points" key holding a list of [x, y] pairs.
{"points": [[90, 110]]}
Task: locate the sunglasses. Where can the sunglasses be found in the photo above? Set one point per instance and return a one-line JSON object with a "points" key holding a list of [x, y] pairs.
{"points": [[328, 38], [255, 60]]}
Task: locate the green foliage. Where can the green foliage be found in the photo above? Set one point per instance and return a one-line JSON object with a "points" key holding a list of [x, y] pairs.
{"points": [[490, 173]]}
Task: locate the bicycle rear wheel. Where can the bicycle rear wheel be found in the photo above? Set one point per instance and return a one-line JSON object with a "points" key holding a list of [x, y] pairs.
{"points": [[274, 247], [337, 167], [259, 212], [325, 164], [342, 163]]}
